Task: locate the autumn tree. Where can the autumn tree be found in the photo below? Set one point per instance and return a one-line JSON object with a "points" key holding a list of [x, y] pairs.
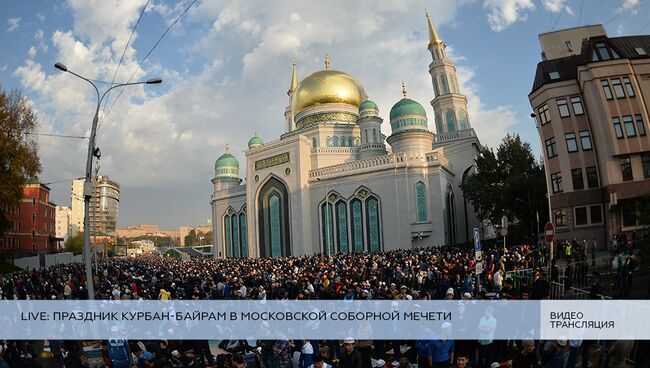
{"points": [[19, 161]]}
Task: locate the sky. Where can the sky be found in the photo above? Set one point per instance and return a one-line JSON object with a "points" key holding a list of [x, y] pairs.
{"points": [[226, 67]]}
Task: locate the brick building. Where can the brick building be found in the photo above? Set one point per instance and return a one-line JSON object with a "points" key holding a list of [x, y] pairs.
{"points": [[33, 223]]}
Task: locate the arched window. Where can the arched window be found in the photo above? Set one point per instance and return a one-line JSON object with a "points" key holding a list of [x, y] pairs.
{"points": [[365, 139], [443, 84], [356, 225], [462, 117], [350, 142], [243, 235], [274, 219], [327, 226], [451, 217], [451, 120], [439, 125], [344, 142], [314, 143], [342, 226], [328, 142], [235, 236], [421, 201], [227, 235], [560, 218], [335, 141], [452, 84], [374, 136], [436, 91], [372, 224]]}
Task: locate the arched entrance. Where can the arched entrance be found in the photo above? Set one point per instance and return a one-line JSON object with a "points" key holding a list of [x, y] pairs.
{"points": [[273, 219]]}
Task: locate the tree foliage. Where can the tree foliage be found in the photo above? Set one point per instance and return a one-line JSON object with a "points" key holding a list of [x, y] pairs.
{"points": [[75, 243], [19, 161], [509, 182]]}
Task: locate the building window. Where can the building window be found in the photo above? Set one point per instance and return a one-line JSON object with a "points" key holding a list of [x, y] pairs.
{"points": [[645, 159], [335, 141], [357, 225], [576, 103], [342, 226], [551, 150], [451, 120], [444, 85], [585, 140], [606, 89], [576, 176], [350, 142], [243, 235], [592, 177], [452, 84], [571, 143], [462, 117], [421, 201], [236, 245], [314, 144], [618, 88], [33, 233], [544, 117], [372, 224], [33, 201], [639, 125], [618, 129], [640, 51], [596, 214], [556, 182], [554, 75], [275, 225], [439, 125], [568, 46], [560, 218], [328, 228], [33, 217], [628, 87], [601, 52], [563, 107], [581, 216], [626, 168], [374, 136], [629, 126], [436, 91]]}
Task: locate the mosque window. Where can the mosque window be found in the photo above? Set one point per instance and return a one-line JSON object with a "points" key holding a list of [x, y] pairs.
{"points": [[274, 225], [243, 236], [372, 224], [228, 236], [314, 143], [451, 120], [357, 225], [335, 141], [439, 129], [350, 142], [343, 142], [235, 235], [342, 226], [452, 84], [436, 91], [462, 116], [421, 201], [444, 85], [328, 142], [374, 136], [327, 227], [365, 138]]}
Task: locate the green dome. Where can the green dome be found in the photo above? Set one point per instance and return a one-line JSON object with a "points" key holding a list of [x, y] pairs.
{"points": [[367, 105], [406, 106], [226, 160], [255, 141]]}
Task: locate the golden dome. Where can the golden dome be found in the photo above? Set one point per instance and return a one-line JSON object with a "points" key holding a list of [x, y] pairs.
{"points": [[327, 86]]}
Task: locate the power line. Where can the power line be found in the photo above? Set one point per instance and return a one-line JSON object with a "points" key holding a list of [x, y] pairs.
{"points": [[58, 135], [61, 181], [582, 3], [124, 52], [149, 53], [595, 10], [557, 19]]}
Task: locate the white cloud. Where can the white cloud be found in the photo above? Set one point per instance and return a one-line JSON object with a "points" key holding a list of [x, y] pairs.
{"points": [[3, 67], [13, 24], [629, 5], [503, 13], [40, 16], [554, 6], [31, 53]]}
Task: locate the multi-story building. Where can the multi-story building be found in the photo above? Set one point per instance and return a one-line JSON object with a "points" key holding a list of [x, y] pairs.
{"points": [[591, 113], [63, 227], [183, 231], [134, 231], [33, 222], [104, 205]]}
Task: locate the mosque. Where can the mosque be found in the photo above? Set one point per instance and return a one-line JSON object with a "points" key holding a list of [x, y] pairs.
{"points": [[330, 184]]}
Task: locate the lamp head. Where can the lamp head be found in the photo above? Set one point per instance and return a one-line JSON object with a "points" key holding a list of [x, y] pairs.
{"points": [[61, 67], [154, 81]]}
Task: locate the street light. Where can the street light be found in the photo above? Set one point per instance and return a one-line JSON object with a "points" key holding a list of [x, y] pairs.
{"points": [[548, 186], [92, 151]]}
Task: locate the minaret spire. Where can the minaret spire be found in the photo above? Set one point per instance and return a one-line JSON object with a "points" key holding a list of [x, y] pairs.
{"points": [[403, 89], [327, 61], [433, 34], [227, 147], [294, 79]]}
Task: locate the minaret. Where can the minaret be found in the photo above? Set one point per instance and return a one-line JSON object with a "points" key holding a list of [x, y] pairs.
{"points": [[372, 141], [289, 124], [449, 105]]}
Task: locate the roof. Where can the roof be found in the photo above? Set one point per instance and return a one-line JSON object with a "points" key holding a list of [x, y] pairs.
{"points": [[567, 67]]}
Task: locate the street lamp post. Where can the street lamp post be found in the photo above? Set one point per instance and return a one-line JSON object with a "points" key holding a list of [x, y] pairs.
{"points": [[548, 186], [93, 151]]}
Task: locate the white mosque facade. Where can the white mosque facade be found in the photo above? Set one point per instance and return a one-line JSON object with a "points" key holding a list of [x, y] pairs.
{"points": [[330, 184]]}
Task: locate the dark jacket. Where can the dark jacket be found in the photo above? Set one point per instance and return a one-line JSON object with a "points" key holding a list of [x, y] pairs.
{"points": [[352, 360]]}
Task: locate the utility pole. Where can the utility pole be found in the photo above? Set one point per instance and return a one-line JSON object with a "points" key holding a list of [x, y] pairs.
{"points": [[95, 203]]}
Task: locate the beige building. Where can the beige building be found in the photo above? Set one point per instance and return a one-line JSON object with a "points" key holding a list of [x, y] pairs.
{"points": [[592, 116], [134, 231], [104, 205], [63, 228], [183, 231]]}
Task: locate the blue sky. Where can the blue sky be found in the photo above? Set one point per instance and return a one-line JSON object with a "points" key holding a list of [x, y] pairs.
{"points": [[226, 68]]}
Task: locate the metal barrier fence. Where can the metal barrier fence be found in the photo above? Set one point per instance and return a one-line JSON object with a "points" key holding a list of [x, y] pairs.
{"points": [[520, 277]]}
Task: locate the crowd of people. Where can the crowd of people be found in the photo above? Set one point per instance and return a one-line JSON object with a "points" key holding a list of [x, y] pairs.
{"points": [[416, 274]]}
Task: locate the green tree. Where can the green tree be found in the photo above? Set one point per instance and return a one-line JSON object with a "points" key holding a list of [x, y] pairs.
{"points": [[19, 161], [509, 182], [75, 243], [191, 238]]}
